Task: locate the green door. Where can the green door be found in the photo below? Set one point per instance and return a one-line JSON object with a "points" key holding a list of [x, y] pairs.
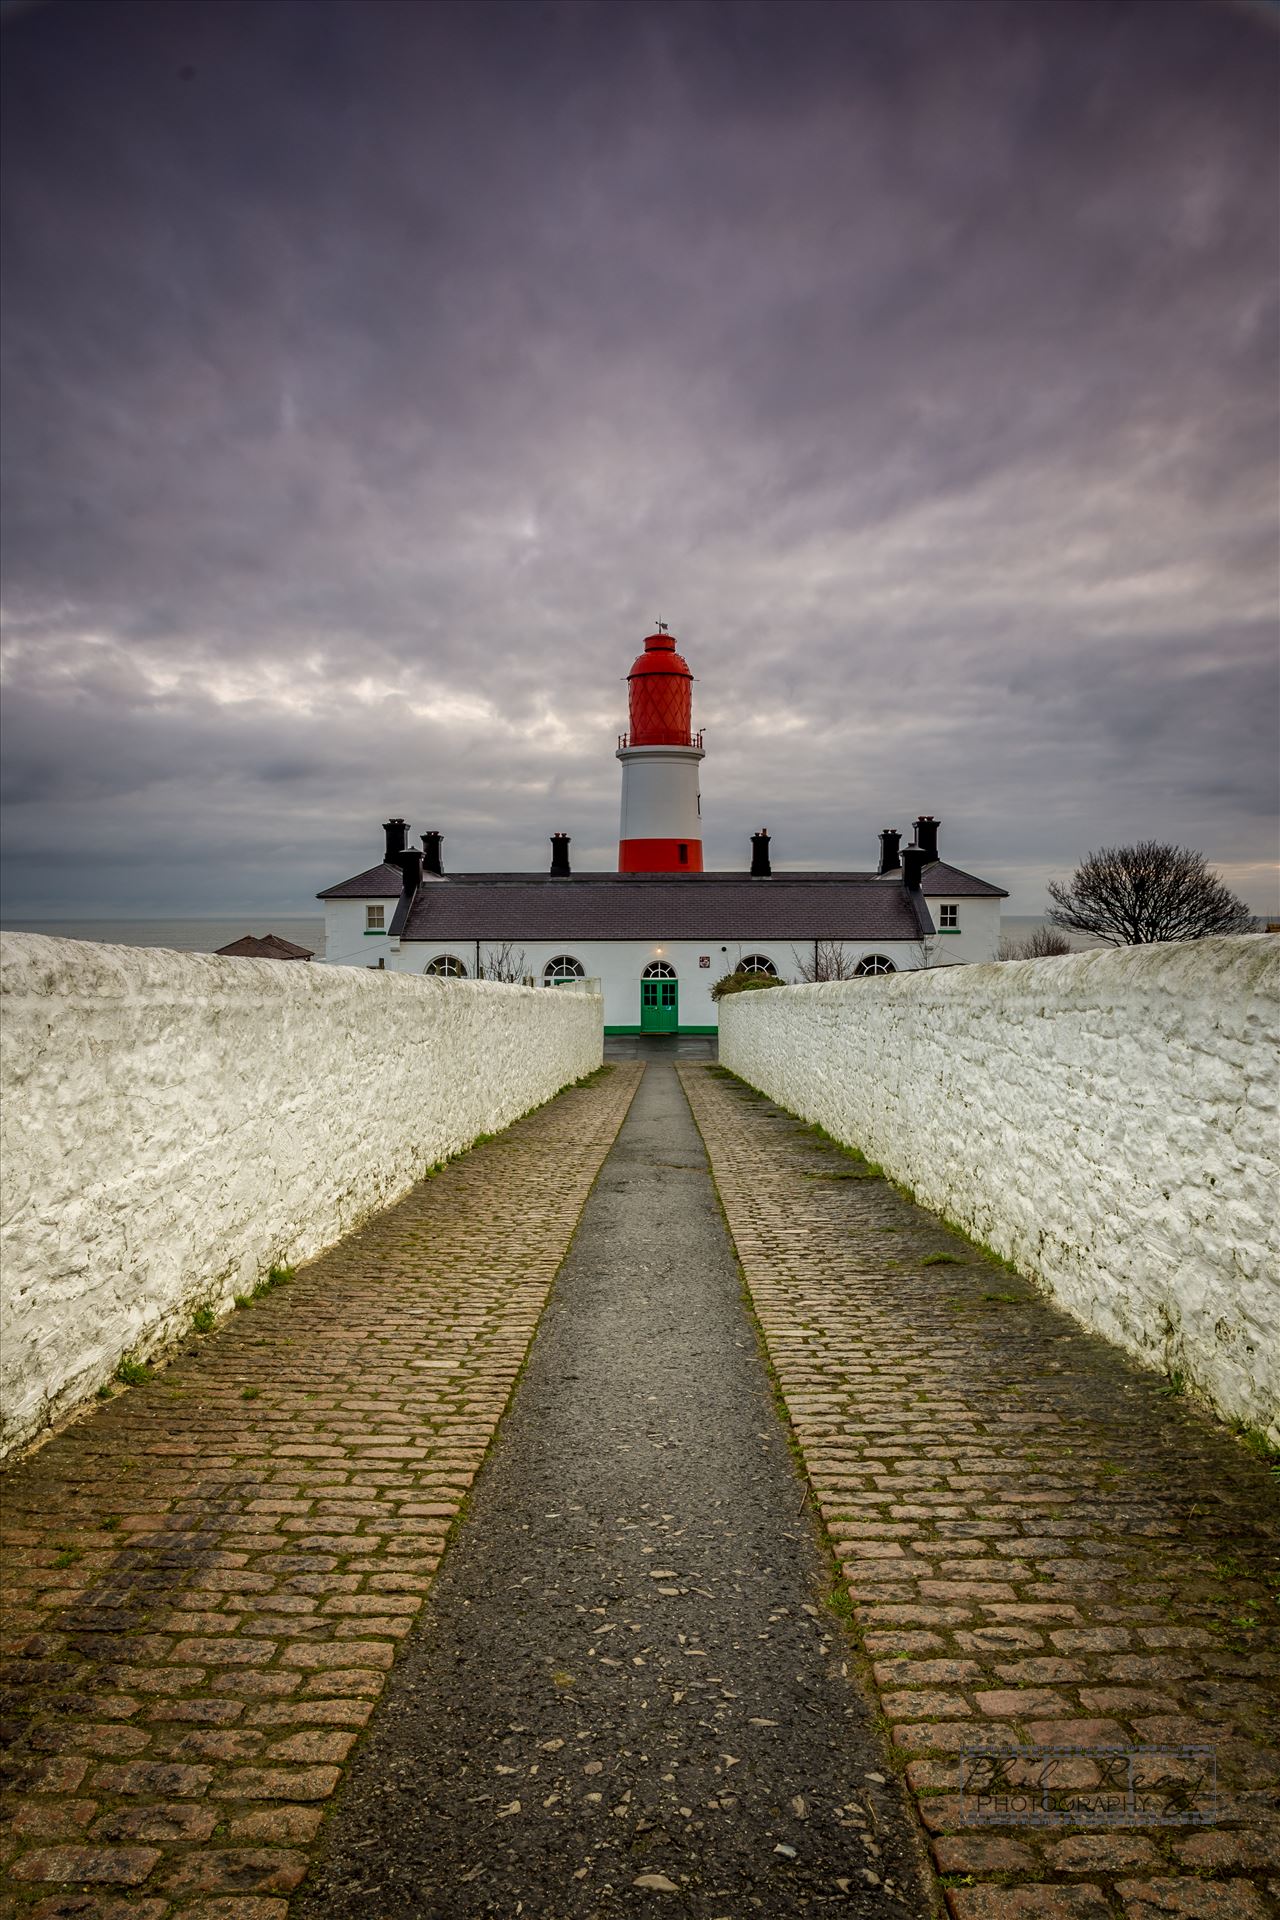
{"points": [[659, 1006]]}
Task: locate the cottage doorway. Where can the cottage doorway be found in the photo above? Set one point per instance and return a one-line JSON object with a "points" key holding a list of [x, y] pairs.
{"points": [[659, 998]]}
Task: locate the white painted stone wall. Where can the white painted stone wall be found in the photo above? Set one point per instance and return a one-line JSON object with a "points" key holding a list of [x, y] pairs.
{"points": [[1108, 1121], [175, 1124]]}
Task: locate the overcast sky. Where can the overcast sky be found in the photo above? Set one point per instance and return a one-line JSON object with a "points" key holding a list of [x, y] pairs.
{"points": [[375, 374]]}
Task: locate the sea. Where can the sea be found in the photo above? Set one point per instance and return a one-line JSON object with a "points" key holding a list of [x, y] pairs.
{"points": [[206, 934], [1017, 926]]}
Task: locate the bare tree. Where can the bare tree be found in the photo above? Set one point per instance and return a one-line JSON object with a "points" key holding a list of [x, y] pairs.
{"points": [[1128, 896], [504, 962], [1043, 944], [824, 960]]}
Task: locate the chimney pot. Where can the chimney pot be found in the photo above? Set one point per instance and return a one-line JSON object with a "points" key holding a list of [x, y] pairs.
{"points": [[890, 841], [432, 861], [913, 863], [397, 832], [560, 856], [760, 866], [409, 862], [927, 836]]}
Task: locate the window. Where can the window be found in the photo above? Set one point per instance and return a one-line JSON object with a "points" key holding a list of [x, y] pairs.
{"points": [[875, 963], [375, 919], [563, 967], [682, 849], [659, 970], [949, 919], [757, 963], [446, 966]]}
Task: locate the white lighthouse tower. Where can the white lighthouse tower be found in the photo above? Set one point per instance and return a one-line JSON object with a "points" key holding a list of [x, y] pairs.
{"points": [[661, 806]]}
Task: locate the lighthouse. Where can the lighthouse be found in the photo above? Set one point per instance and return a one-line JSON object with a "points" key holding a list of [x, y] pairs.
{"points": [[661, 807]]}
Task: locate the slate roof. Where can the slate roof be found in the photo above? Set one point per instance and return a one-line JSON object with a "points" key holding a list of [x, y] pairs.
{"points": [[376, 883], [942, 878], [660, 906], [269, 946], [645, 906]]}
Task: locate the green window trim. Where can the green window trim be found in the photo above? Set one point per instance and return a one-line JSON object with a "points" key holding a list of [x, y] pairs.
{"points": [[677, 1031]]}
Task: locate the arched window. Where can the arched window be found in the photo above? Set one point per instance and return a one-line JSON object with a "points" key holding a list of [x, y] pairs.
{"points": [[757, 963], [874, 963], [659, 970], [563, 967], [447, 966]]}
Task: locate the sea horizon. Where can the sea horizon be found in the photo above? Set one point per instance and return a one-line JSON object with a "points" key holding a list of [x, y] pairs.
{"points": [[175, 933]]}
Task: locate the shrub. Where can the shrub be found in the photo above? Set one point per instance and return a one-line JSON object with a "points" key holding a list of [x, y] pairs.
{"points": [[743, 983], [1043, 944]]}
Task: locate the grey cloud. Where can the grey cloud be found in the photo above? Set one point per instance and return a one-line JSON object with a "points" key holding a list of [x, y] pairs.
{"points": [[373, 376]]}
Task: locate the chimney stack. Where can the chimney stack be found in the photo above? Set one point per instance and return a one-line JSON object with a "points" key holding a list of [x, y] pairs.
{"points": [[760, 854], [890, 841], [397, 832], [431, 860], [927, 836], [409, 862], [560, 856], [912, 868]]}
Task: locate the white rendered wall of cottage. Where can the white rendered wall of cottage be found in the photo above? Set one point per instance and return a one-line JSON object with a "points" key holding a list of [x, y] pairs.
{"points": [[619, 966], [349, 944], [978, 938], [1106, 1120], [346, 942]]}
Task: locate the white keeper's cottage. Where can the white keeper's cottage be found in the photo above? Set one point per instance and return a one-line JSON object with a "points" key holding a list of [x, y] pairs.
{"points": [[660, 931]]}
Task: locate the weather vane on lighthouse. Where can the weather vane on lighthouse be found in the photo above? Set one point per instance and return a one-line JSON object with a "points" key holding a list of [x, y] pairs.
{"points": [[661, 625]]}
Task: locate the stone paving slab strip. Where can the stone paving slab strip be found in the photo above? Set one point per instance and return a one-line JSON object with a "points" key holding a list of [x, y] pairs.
{"points": [[628, 1685]]}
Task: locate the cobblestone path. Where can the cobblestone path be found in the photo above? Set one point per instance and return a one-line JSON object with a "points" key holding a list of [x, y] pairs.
{"points": [[628, 1693], [206, 1580], [1042, 1546]]}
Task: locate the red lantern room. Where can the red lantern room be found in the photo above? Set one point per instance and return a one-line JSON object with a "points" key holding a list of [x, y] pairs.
{"points": [[661, 811], [661, 689]]}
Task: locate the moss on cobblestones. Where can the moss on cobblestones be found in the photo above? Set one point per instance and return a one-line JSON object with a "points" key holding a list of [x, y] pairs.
{"points": [[1255, 1441], [597, 1074]]}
